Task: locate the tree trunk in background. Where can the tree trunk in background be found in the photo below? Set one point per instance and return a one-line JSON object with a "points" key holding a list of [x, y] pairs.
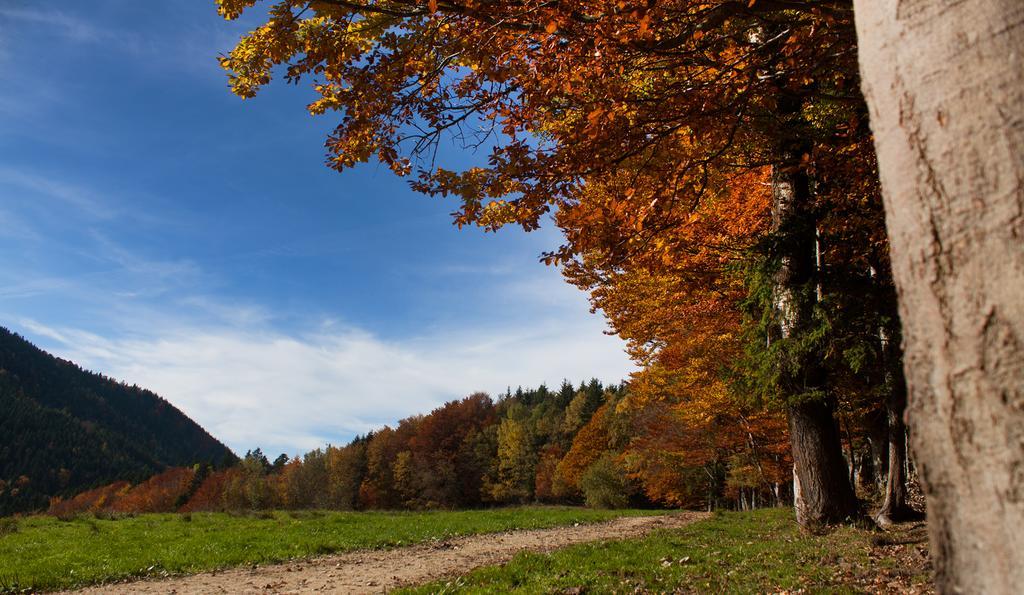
{"points": [[944, 80], [821, 484], [894, 507], [821, 479], [866, 478], [878, 436]]}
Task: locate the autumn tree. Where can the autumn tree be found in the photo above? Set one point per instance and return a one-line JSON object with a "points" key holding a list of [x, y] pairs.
{"points": [[445, 448], [604, 483], [209, 496], [246, 488], [378, 486], [346, 467], [566, 94], [588, 445], [516, 463]]}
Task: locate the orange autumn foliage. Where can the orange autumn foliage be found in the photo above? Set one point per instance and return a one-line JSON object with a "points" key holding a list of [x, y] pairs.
{"points": [[90, 501], [671, 294], [209, 496], [694, 84], [588, 446], [160, 493], [547, 466]]}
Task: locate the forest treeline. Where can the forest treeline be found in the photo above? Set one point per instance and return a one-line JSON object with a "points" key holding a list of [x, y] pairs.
{"points": [[602, 446], [64, 429], [587, 444]]}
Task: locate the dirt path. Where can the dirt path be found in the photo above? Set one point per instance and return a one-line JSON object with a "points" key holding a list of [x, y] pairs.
{"points": [[377, 571]]}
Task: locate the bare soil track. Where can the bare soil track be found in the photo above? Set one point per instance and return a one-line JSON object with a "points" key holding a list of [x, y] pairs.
{"points": [[376, 571]]}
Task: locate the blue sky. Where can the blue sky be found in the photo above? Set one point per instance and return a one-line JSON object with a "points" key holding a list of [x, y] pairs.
{"points": [[156, 228]]}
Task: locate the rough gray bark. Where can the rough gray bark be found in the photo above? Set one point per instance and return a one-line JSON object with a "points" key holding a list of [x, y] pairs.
{"points": [[944, 80]]}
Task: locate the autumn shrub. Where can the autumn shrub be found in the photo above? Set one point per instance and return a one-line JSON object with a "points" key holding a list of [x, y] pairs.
{"points": [[113, 515], [160, 493], [604, 484], [90, 501], [209, 496]]}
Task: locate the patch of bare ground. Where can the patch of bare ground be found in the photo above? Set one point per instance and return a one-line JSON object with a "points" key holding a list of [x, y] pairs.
{"points": [[377, 571]]}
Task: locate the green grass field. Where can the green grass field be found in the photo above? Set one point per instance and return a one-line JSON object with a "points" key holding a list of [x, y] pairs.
{"points": [[754, 552], [44, 553]]}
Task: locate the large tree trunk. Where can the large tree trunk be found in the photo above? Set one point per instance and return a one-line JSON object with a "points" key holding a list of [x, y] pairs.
{"points": [[824, 495], [944, 80], [822, 492]]}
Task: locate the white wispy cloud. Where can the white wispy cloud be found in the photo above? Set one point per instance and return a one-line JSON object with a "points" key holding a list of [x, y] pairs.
{"points": [[234, 367], [291, 392], [22, 185], [251, 380], [62, 23]]}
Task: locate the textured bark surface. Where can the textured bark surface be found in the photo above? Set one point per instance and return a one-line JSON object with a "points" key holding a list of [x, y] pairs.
{"points": [[894, 489], [825, 493], [822, 492], [894, 506], [944, 80]]}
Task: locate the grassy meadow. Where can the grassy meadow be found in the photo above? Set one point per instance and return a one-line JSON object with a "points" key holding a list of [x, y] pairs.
{"points": [[47, 553], [750, 552]]}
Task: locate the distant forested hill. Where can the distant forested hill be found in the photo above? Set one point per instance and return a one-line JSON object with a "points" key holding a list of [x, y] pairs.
{"points": [[64, 429]]}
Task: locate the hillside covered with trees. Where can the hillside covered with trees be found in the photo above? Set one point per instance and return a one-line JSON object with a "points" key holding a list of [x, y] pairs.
{"points": [[589, 444], [66, 429]]}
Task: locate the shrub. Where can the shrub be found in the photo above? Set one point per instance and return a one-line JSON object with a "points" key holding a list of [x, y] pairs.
{"points": [[604, 484], [112, 515], [8, 525]]}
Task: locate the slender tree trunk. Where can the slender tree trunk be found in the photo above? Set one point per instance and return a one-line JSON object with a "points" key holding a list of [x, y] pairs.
{"points": [[894, 507], [944, 80], [821, 487], [851, 458], [866, 472], [878, 436]]}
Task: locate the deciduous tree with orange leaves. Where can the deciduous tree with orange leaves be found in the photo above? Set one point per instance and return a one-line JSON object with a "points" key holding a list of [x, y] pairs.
{"points": [[629, 119]]}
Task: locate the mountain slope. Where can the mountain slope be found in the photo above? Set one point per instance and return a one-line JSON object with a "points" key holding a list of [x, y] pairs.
{"points": [[64, 429]]}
